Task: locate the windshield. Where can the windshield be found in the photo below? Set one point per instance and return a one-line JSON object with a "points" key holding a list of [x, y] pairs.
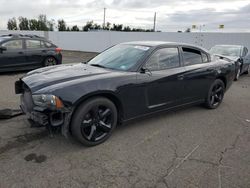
{"points": [[226, 50], [119, 57]]}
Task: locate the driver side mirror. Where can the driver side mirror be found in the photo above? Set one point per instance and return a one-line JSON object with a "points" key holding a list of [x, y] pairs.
{"points": [[2, 48], [145, 70]]}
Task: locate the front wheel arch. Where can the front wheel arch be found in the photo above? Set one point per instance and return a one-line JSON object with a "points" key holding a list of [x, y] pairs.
{"points": [[107, 95]]}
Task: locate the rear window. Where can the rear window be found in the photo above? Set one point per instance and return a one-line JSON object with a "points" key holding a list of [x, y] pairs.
{"points": [[33, 44], [191, 56]]}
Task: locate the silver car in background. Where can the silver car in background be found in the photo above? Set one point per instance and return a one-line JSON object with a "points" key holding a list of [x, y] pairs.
{"points": [[238, 53]]}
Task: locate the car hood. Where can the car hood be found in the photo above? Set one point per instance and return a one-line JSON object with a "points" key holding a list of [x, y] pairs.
{"points": [[53, 75]]}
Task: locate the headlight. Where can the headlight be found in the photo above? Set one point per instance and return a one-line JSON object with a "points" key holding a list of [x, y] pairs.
{"points": [[48, 101]]}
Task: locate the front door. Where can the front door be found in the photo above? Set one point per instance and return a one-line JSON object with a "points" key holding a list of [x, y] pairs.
{"points": [[162, 80], [14, 56]]}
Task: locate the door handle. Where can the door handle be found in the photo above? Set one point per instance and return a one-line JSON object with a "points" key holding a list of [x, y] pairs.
{"points": [[180, 77], [20, 52]]}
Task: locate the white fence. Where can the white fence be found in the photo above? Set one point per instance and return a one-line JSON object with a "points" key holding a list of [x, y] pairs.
{"points": [[98, 41]]}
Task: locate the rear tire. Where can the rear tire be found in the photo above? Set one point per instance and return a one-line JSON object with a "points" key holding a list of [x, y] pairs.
{"points": [[94, 121], [49, 61], [215, 94]]}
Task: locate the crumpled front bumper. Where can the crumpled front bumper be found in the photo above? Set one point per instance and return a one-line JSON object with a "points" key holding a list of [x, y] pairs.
{"points": [[39, 115]]}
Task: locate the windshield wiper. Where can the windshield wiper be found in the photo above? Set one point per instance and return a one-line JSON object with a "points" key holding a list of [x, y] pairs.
{"points": [[98, 65]]}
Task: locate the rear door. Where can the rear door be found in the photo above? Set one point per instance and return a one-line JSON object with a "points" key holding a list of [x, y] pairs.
{"points": [[198, 76], [162, 84], [35, 52], [14, 56]]}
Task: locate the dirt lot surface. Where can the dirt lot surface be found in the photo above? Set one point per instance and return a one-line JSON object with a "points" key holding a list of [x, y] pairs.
{"points": [[194, 147]]}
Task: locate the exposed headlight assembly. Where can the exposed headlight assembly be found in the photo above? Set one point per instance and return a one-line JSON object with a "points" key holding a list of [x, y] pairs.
{"points": [[48, 101]]}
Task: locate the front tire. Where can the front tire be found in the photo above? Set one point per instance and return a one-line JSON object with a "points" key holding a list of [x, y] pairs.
{"points": [[94, 121], [215, 94]]}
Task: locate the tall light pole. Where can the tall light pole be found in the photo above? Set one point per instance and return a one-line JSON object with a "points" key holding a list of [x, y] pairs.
{"points": [[104, 17], [154, 21]]}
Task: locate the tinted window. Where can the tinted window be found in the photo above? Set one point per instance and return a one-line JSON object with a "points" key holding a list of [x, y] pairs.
{"points": [[13, 44], [120, 57], [33, 44], [164, 59], [191, 56]]}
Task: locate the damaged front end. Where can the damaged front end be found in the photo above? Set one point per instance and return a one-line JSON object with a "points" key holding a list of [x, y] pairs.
{"points": [[44, 109]]}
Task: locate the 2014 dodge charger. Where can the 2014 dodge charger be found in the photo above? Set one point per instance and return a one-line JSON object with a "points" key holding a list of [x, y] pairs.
{"points": [[127, 81]]}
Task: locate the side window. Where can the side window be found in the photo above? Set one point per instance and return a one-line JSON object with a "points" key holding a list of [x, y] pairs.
{"points": [[48, 45], [191, 56], [204, 57], [43, 44], [33, 44], [164, 58], [13, 44]]}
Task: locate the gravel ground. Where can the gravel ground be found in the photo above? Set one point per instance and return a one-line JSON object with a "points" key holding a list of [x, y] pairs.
{"points": [[194, 147]]}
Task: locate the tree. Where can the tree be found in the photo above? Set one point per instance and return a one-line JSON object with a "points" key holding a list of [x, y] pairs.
{"points": [[33, 24], [88, 26], [127, 28], [50, 24], [108, 26], [96, 26], [12, 25], [188, 30], [42, 23], [23, 23], [117, 27], [75, 28], [61, 25]]}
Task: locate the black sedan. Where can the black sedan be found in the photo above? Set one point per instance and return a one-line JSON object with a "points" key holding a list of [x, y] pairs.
{"points": [[238, 53], [127, 81], [27, 52]]}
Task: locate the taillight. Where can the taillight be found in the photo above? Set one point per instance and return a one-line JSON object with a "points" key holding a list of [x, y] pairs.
{"points": [[58, 50]]}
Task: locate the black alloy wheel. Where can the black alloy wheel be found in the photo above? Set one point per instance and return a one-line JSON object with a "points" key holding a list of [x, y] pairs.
{"points": [[94, 121], [49, 61], [215, 94]]}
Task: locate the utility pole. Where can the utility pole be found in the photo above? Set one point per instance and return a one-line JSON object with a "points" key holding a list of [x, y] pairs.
{"points": [[154, 21], [104, 17]]}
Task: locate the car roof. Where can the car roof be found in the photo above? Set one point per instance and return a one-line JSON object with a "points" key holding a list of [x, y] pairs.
{"points": [[18, 36], [159, 43]]}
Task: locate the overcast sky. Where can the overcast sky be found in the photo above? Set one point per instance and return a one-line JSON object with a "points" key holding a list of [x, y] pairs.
{"points": [[171, 15]]}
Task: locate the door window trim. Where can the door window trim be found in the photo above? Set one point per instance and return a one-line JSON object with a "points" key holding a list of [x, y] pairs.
{"points": [[194, 48], [14, 40], [26, 48], [159, 48]]}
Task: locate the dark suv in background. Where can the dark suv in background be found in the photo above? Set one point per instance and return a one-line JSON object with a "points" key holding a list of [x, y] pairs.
{"points": [[27, 52]]}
